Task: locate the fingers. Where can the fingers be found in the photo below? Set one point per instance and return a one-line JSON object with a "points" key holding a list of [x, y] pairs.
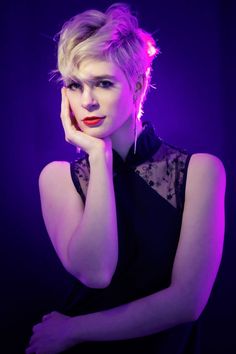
{"points": [[45, 317], [69, 122], [48, 315], [64, 102], [73, 135], [35, 329], [30, 350], [31, 346], [65, 117]]}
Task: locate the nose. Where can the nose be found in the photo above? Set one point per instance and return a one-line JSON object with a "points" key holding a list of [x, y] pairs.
{"points": [[88, 100]]}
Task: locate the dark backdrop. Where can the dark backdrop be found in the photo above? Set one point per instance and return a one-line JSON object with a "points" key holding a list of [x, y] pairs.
{"points": [[193, 107]]}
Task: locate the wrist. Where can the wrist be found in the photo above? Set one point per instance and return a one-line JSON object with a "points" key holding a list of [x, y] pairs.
{"points": [[101, 155], [79, 332]]}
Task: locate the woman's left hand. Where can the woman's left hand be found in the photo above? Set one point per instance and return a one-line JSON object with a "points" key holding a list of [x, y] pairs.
{"points": [[52, 335]]}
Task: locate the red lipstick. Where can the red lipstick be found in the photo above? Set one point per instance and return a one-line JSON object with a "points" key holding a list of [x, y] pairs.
{"points": [[93, 121]]}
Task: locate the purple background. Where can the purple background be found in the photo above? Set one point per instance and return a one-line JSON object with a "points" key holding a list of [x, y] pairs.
{"points": [[193, 107]]}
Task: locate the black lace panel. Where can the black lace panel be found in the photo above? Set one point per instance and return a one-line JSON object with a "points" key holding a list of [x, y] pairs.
{"points": [[165, 172], [80, 175]]}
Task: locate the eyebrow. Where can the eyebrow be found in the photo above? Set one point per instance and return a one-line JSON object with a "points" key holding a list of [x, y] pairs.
{"points": [[99, 77], [102, 77]]}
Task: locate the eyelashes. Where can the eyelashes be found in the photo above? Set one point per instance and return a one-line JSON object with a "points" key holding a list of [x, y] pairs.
{"points": [[104, 84], [74, 86]]}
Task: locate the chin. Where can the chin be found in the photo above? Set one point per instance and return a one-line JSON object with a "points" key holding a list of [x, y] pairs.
{"points": [[96, 132]]}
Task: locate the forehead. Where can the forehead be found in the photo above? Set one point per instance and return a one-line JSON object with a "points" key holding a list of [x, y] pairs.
{"points": [[90, 69]]}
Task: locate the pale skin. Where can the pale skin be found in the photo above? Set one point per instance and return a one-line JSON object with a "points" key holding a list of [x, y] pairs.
{"points": [[75, 235]]}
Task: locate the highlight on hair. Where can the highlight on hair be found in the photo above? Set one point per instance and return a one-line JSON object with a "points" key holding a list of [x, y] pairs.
{"points": [[113, 35]]}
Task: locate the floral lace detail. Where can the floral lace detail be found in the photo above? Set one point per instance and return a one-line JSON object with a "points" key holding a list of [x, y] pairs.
{"points": [[80, 173], [165, 173]]}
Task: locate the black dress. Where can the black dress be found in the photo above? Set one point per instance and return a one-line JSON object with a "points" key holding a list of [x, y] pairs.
{"points": [[149, 190]]}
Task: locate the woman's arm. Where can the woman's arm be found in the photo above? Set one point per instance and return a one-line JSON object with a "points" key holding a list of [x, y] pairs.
{"points": [[84, 237], [93, 247], [195, 267]]}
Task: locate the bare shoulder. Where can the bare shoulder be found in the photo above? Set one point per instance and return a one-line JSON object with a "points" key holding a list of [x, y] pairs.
{"points": [[55, 168], [204, 170], [209, 163], [54, 180], [55, 175]]}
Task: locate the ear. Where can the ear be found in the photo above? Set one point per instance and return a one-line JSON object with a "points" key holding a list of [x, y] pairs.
{"points": [[138, 87], [139, 83]]}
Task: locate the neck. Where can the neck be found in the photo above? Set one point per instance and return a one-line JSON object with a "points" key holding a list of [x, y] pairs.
{"points": [[123, 138]]}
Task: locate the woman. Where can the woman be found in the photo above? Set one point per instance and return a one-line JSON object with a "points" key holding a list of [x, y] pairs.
{"points": [[137, 222]]}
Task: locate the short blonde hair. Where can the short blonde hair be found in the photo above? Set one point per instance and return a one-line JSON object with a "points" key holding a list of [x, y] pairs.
{"points": [[113, 35]]}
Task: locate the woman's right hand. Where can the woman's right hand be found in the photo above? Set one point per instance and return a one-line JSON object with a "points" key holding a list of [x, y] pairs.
{"points": [[73, 135]]}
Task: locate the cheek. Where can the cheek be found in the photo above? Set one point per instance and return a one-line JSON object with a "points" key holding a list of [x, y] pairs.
{"points": [[123, 101]]}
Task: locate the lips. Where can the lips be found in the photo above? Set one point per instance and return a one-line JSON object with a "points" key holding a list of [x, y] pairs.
{"points": [[93, 121]]}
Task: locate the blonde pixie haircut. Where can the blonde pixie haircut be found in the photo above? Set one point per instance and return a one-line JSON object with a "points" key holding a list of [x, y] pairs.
{"points": [[114, 36]]}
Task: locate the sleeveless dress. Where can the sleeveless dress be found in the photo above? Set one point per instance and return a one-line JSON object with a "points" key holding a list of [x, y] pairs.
{"points": [[149, 191]]}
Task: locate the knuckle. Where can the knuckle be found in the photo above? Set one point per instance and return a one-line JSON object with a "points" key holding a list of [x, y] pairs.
{"points": [[68, 138], [36, 327]]}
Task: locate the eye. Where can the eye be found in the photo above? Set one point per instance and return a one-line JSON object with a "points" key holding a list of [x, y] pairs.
{"points": [[106, 84], [74, 86]]}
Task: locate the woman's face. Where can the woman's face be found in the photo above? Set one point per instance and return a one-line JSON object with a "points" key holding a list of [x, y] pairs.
{"points": [[100, 90]]}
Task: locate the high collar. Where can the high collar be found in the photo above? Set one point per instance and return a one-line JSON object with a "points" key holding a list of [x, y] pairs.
{"points": [[147, 144]]}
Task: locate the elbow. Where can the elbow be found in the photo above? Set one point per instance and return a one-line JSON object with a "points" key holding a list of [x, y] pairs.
{"points": [[193, 315], [190, 306], [194, 312], [94, 281], [97, 282]]}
